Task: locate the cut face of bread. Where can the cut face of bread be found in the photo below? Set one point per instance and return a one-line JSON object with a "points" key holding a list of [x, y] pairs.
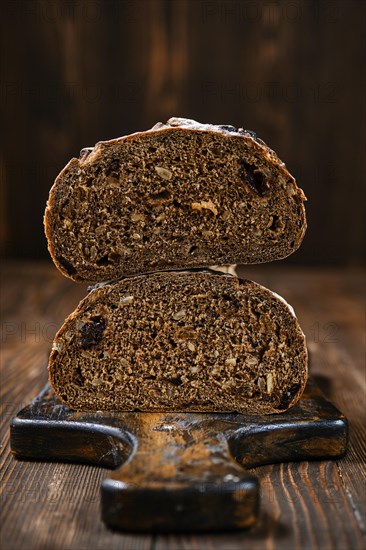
{"points": [[180, 195], [180, 341]]}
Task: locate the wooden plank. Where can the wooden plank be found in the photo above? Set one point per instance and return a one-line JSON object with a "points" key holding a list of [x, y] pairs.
{"points": [[49, 505], [317, 505], [295, 499]]}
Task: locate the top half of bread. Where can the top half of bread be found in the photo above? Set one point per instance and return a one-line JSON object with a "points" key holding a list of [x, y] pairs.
{"points": [[180, 195]]}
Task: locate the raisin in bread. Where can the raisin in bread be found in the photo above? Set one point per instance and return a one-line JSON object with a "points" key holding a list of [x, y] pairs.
{"points": [[180, 341], [180, 195]]}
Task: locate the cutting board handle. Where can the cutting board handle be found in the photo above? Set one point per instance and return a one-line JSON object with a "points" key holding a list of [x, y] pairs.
{"points": [[181, 475]]}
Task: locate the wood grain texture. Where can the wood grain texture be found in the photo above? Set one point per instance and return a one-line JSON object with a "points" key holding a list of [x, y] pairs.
{"points": [[304, 505], [179, 472], [75, 73]]}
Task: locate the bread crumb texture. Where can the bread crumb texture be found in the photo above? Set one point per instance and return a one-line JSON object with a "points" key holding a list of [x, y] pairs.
{"points": [[180, 341], [180, 195]]}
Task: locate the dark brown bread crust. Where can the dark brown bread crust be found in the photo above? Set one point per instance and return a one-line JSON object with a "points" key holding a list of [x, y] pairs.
{"points": [[180, 195], [180, 341]]}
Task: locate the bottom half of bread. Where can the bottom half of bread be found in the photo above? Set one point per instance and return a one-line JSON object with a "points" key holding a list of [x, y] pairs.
{"points": [[180, 341]]}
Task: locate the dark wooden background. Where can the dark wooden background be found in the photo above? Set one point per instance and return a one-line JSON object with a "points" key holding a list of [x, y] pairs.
{"points": [[76, 72]]}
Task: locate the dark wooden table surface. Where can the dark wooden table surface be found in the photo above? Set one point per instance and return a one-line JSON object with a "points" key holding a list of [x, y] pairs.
{"points": [[304, 505]]}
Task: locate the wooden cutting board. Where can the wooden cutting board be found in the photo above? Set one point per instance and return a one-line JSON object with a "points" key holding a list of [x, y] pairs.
{"points": [[179, 471]]}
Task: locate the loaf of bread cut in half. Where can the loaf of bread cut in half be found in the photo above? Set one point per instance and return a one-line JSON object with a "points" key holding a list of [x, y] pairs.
{"points": [[180, 341], [180, 195]]}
